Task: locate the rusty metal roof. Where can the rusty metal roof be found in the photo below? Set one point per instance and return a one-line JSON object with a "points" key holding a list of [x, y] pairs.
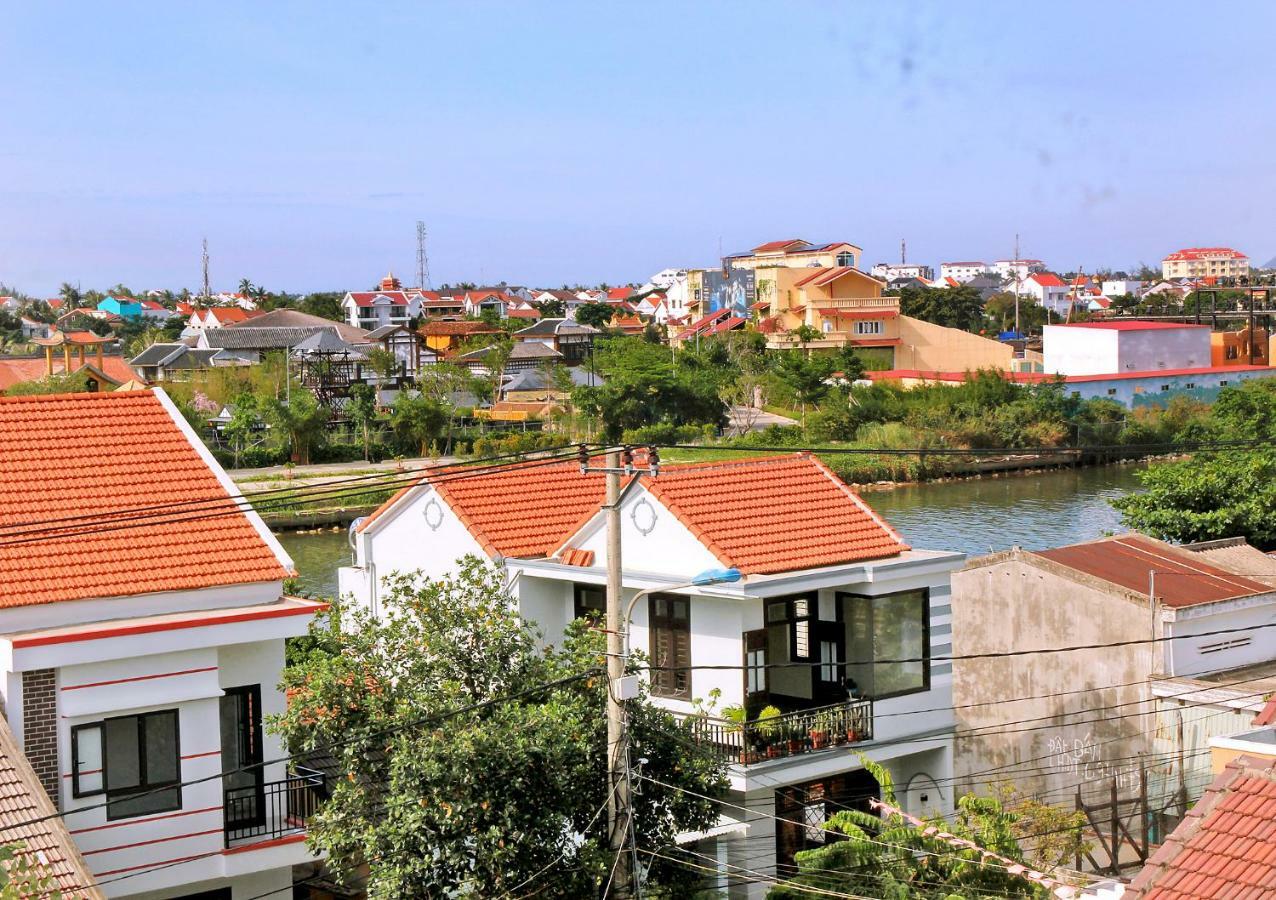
{"points": [[1182, 578]]}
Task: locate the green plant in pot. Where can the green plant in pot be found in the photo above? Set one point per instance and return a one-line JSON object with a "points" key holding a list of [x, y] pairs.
{"points": [[821, 727], [735, 717], [768, 728]]}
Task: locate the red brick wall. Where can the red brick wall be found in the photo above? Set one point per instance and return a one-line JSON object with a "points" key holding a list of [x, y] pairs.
{"points": [[40, 728]]}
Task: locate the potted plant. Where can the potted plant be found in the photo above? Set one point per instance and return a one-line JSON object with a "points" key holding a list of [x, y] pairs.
{"points": [[768, 725], [819, 731], [795, 738], [735, 717]]}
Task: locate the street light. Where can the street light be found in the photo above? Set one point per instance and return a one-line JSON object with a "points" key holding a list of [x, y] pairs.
{"points": [[627, 689]]}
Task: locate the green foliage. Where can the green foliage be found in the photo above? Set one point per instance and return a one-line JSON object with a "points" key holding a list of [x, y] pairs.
{"points": [[416, 421], [56, 384], [645, 385], [325, 304], [244, 425], [297, 422], [21, 877], [596, 315], [892, 859], [476, 802], [362, 410], [953, 307]]}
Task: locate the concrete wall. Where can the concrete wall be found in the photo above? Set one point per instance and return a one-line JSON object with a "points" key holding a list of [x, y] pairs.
{"points": [[1187, 347], [1158, 390], [934, 348], [1079, 351], [1091, 712]]}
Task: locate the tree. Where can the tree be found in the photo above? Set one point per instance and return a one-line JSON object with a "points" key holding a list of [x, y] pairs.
{"points": [[892, 859], [1207, 497], [439, 798], [953, 307], [551, 309], [246, 287], [416, 421], [596, 315], [806, 377], [384, 363], [362, 410], [244, 425], [804, 334], [299, 421], [70, 295], [327, 305]]}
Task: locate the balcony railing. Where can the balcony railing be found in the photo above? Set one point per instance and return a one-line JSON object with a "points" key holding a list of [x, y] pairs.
{"points": [[792, 734], [273, 809], [858, 303]]}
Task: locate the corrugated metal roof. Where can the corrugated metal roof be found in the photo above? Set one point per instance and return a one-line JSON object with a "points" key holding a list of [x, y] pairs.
{"points": [[1182, 578]]}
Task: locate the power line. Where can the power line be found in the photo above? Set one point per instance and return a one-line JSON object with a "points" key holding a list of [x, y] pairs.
{"points": [[1142, 449]]}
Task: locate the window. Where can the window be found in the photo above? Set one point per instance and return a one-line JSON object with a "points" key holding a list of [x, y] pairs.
{"points": [[845, 259], [1111, 392], [888, 642], [670, 626], [1190, 385], [796, 613], [1222, 383], [126, 756], [868, 327], [1164, 388], [590, 600]]}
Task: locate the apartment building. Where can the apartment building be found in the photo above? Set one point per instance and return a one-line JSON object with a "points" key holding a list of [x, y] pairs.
{"points": [[824, 645], [139, 653], [1205, 262], [962, 271], [893, 271]]}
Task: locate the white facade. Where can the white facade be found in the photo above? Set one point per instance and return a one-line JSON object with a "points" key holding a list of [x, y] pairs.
{"points": [[962, 271], [1115, 348], [376, 309], [911, 734], [890, 271], [1122, 286], [1010, 269]]}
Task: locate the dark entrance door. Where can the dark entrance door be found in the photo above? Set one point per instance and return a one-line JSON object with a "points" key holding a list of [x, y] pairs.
{"points": [[804, 808], [241, 757]]}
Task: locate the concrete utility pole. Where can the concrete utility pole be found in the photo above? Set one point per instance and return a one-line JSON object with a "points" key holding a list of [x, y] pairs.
{"points": [[620, 687], [1018, 333], [207, 292]]}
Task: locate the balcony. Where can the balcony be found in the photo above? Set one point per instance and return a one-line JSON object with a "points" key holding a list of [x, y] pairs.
{"points": [[858, 303], [274, 809], [791, 734]]}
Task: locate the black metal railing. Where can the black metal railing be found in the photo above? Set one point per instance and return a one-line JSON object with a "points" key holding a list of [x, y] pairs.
{"points": [[790, 734], [275, 808]]}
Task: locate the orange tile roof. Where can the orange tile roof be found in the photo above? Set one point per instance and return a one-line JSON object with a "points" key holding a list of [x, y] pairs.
{"points": [[763, 516], [1225, 847], [17, 371], [102, 455]]}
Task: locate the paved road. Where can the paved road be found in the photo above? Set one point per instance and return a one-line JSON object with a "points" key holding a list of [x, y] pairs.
{"points": [[760, 419]]}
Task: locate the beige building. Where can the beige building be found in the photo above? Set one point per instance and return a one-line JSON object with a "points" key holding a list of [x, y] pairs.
{"points": [[1205, 262], [795, 254]]}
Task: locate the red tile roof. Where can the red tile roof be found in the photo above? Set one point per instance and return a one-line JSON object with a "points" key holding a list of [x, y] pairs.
{"points": [[366, 298], [1046, 279], [227, 314], [1205, 253], [778, 246], [102, 455], [775, 514], [457, 326], [1182, 579], [619, 293], [1131, 325], [1226, 845], [1267, 715], [523, 314], [17, 371]]}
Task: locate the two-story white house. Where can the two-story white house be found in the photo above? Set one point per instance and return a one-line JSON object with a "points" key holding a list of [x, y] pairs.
{"points": [[831, 630], [142, 628]]}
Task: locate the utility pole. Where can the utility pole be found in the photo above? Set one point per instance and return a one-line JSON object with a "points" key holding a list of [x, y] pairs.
{"points": [[422, 261], [620, 687], [207, 292]]}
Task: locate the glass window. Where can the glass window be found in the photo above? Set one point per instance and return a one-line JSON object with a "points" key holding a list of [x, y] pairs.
{"points": [[801, 628], [590, 600], [129, 758], [755, 660], [888, 643], [670, 630], [868, 327]]}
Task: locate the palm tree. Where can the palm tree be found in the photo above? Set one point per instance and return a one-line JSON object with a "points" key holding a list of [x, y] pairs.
{"points": [[245, 287], [69, 294]]}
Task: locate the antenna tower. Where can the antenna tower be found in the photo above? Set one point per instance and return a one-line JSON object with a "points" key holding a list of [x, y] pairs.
{"points": [[903, 252], [207, 292], [422, 259]]}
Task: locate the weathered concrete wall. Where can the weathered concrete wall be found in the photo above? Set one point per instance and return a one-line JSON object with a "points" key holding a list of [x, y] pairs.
{"points": [[1091, 713]]}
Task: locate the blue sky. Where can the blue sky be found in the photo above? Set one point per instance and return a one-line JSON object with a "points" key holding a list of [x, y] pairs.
{"points": [[581, 142]]}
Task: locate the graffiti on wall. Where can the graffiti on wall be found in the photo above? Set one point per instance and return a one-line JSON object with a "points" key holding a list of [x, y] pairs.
{"points": [[1081, 760]]}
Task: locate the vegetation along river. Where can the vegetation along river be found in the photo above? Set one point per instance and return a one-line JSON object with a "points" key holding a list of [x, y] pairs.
{"points": [[974, 516]]}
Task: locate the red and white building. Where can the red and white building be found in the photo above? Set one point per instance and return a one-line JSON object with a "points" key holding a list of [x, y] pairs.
{"points": [[388, 305], [1048, 290], [142, 628], [1205, 262], [831, 607]]}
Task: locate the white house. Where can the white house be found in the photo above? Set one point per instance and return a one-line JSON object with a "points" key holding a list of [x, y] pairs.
{"points": [[155, 311], [962, 271], [1116, 347], [891, 271], [834, 622], [1119, 287], [34, 328], [1048, 290], [1011, 269], [139, 651], [371, 310]]}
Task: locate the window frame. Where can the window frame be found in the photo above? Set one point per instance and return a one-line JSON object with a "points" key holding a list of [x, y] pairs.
{"points": [[144, 785], [579, 609], [926, 650], [663, 681]]}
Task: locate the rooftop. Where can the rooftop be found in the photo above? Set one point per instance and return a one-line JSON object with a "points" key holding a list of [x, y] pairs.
{"points": [[1182, 578], [1224, 847], [295, 318], [95, 461], [1130, 325], [1191, 253], [763, 516]]}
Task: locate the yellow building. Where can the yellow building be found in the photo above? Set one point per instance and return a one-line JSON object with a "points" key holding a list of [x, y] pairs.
{"points": [[842, 304], [795, 254], [1205, 262]]}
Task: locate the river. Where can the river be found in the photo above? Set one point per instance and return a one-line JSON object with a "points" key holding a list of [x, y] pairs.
{"points": [[975, 517]]}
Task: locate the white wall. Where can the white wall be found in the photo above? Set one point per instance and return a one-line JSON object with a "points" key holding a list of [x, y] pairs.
{"points": [[1190, 655], [1079, 351], [1164, 348]]}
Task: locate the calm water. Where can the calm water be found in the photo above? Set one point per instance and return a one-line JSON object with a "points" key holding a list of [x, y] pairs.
{"points": [[974, 517], [1034, 511]]}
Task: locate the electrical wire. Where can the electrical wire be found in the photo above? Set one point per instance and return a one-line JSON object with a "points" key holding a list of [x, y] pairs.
{"points": [[1138, 449]]}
